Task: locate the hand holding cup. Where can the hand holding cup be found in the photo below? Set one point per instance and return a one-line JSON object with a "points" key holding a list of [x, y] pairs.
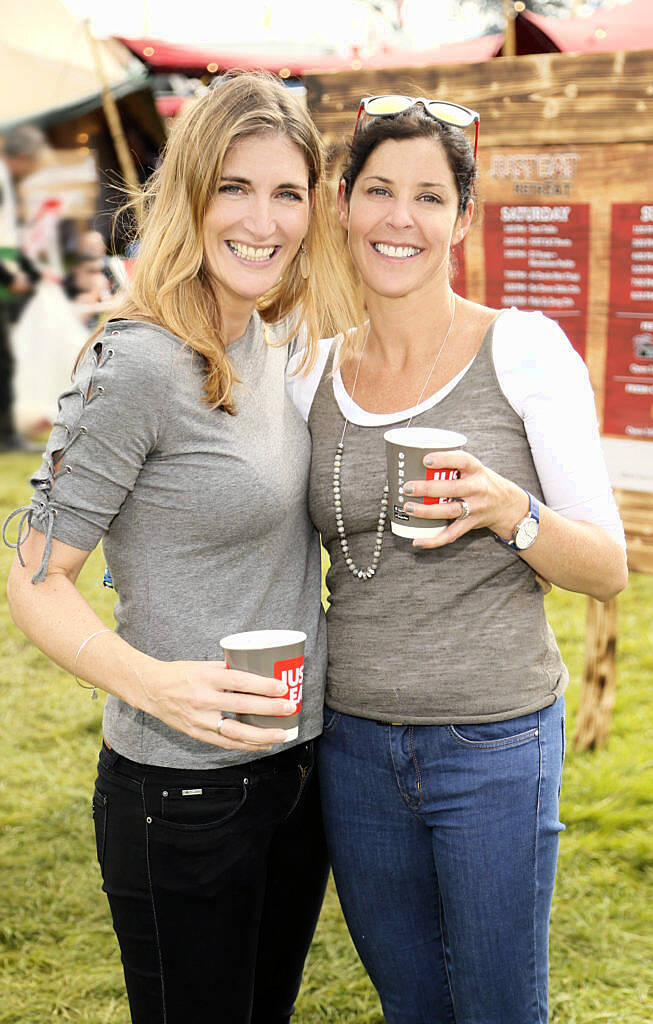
{"points": [[195, 697], [469, 497], [406, 452], [278, 654]]}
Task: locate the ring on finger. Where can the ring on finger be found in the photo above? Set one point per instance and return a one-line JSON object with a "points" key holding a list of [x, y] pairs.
{"points": [[218, 727], [465, 508]]}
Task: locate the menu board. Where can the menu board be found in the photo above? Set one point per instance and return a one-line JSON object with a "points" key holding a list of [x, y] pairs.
{"points": [[629, 363], [536, 257]]}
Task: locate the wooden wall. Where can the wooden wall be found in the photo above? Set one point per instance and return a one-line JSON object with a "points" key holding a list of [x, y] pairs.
{"points": [[543, 99], [592, 116]]}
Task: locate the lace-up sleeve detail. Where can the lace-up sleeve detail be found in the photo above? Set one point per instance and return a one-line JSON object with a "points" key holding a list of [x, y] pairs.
{"points": [[107, 425]]}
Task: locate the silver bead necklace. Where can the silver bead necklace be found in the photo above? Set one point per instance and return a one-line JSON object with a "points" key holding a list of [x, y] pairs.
{"points": [[367, 574]]}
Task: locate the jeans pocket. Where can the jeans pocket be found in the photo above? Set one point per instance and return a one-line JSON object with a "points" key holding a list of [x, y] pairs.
{"points": [[331, 719], [563, 748], [100, 808], [496, 735], [195, 808]]}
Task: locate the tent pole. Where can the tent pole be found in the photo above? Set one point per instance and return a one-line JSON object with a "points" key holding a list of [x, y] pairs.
{"points": [[510, 38], [112, 115]]}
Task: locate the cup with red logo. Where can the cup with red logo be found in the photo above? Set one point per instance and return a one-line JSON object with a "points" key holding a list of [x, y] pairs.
{"points": [[405, 448], [277, 654]]}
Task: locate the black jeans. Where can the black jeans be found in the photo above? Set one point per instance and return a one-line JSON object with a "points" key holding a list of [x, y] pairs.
{"points": [[215, 881]]}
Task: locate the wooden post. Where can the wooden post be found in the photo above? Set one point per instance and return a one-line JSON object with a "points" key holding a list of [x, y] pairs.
{"points": [[599, 678], [112, 115], [510, 34]]}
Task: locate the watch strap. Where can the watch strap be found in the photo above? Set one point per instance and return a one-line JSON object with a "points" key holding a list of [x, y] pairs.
{"points": [[533, 513]]}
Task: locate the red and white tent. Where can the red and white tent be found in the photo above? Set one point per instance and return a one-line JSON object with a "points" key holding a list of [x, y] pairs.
{"points": [[165, 57], [623, 27]]}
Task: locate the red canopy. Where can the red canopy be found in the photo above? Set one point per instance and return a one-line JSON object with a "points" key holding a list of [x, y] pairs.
{"points": [[168, 106], [626, 27], [469, 52], [163, 56]]}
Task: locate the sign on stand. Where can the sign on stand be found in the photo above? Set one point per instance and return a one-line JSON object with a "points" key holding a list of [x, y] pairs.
{"points": [[628, 415], [536, 257]]}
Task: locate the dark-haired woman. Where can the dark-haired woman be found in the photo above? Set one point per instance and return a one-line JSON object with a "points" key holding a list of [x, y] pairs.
{"points": [[443, 746]]}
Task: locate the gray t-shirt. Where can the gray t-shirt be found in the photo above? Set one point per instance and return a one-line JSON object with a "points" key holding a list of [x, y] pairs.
{"points": [[203, 515]]}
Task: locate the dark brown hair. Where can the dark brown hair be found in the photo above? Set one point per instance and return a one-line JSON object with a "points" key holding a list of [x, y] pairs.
{"points": [[414, 123]]}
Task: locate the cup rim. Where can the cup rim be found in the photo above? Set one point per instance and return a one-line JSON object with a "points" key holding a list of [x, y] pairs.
{"points": [[425, 438], [262, 639]]}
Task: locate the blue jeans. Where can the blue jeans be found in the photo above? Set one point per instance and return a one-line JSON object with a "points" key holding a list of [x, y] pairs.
{"points": [[215, 880], [443, 842]]}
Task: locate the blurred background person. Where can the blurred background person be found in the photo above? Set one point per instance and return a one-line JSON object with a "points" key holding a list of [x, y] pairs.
{"points": [[21, 150], [94, 278], [93, 246]]}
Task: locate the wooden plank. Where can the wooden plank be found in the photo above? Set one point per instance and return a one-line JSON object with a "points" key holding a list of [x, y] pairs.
{"points": [[599, 683], [540, 99], [640, 557], [636, 508]]}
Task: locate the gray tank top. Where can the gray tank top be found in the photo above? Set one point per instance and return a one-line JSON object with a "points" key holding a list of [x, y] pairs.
{"points": [[458, 634]]}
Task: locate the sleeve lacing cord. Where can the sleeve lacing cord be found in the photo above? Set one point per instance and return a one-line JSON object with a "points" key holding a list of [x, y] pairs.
{"points": [[46, 511], [41, 503]]}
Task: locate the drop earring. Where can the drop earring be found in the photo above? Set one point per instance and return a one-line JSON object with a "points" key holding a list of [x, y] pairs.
{"points": [[304, 262]]}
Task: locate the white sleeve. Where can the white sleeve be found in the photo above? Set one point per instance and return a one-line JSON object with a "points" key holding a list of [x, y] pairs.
{"points": [[302, 386], [547, 384]]}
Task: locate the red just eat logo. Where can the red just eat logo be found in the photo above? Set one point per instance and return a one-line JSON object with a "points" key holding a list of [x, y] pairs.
{"points": [[291, 672], [440, 474]]}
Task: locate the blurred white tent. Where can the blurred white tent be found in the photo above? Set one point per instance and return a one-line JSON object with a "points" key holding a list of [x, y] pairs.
{"points": [[47, 65], [53, 74]]}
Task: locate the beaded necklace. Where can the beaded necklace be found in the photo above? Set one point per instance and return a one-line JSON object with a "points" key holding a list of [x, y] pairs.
{"points": [[367, 574]]}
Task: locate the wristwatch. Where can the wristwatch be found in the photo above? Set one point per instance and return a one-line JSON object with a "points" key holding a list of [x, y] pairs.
{"points": [[526, 530]]}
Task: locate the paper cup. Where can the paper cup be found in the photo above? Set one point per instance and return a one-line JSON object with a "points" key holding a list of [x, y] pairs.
{"points": [[276, 653], [405, 448]]}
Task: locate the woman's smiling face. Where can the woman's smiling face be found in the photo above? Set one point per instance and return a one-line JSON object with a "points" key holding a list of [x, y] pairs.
{"points": [[255, 224], [402, 217]]}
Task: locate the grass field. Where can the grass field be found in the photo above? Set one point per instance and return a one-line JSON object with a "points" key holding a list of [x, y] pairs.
{"points": [[58, 956]]}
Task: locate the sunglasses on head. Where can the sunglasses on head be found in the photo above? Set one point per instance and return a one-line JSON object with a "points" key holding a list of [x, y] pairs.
{"points": [[441, 110]]}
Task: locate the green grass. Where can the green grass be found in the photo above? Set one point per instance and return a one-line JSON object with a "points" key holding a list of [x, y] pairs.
{"points": [[58, 956]]}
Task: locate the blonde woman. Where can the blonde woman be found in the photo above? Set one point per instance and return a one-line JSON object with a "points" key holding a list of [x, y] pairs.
{"points": [[177, 447]]}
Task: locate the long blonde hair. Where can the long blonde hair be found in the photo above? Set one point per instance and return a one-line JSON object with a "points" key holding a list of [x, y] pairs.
{"points": [[170, 285]]}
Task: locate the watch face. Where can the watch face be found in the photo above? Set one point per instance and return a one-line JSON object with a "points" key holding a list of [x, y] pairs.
{"points": [[526, 533]]}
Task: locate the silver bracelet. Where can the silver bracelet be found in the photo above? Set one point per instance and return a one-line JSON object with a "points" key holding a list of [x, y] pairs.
{"points": [[81, 647]]}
